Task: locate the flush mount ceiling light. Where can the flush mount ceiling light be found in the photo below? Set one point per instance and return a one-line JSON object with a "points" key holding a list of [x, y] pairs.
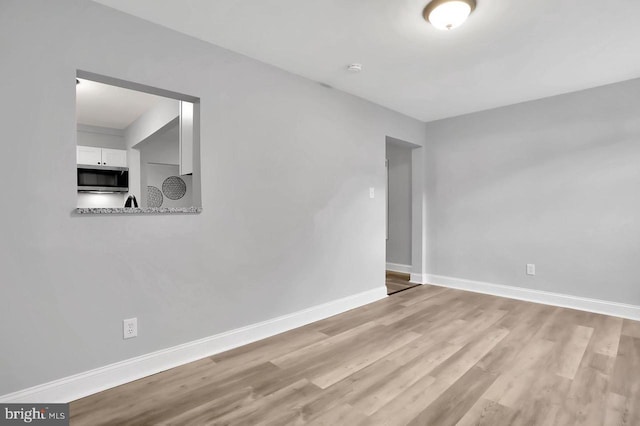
{"points": [[448, 14]]}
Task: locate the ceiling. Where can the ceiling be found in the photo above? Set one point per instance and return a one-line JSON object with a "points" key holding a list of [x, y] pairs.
{"points": [[103, 105], [509, 51]]}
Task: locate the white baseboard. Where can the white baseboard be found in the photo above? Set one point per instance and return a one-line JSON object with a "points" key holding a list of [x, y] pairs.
{"points": [[93, 381], [621, 310], [417, 279], [398, 267]]}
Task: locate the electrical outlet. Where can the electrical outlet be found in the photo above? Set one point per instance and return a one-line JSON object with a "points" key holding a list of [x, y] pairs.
{"points": [[531, 269], [130, 328]]}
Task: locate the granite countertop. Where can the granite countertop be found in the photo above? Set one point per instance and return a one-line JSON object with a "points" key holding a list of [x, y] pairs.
{"points": [[136, 210]]}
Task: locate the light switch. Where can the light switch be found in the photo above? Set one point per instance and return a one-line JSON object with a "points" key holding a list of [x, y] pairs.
{"points": [[531, 269], [372, 192]]}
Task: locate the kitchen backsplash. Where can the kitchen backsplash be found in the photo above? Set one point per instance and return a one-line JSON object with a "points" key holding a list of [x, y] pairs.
{"points": [[87, 199]]}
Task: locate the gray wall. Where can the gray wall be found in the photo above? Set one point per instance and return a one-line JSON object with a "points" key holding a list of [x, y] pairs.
{"points": [[554, 182], [287, 216], [399, 242]]}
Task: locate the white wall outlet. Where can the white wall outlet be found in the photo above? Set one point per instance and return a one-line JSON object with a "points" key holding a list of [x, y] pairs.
{"points": [[531, 269], [129, 328], [372, 192]]}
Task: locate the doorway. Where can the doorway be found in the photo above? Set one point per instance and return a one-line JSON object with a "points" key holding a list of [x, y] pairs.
{"points": [[399, 203]]}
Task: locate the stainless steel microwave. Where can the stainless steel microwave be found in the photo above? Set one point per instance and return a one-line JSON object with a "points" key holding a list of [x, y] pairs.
{"points": [[103, 179]]}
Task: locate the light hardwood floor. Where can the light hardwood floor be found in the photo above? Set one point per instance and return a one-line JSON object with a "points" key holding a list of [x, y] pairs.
{"points": [[397, 281], [425, 356]]}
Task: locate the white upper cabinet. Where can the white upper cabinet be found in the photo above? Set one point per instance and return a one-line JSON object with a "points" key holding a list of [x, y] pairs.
{"points": [[186, 138], [114, 157], [88, 155]]}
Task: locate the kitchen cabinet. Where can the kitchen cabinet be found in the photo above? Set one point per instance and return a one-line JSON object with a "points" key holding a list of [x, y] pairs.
{"points": [[114, 157], [186, 138], [88, 155]]}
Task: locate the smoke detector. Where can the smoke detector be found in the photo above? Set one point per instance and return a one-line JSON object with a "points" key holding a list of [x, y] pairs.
{"points": [[354, 68]]}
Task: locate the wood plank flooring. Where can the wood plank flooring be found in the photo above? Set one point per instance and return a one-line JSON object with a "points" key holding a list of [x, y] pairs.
{"points": [[397, 281], [425, 356]]}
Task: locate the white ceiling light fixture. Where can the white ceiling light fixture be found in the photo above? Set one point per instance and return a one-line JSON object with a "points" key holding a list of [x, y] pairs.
{"points": [[448, 14]]}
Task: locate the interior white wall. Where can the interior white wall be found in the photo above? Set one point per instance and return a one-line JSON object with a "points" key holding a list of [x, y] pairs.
{"points": [[286, 170], [162, 148], [100, 137], [399, 193], [152, 121], [552, 182], [148, 124]]}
